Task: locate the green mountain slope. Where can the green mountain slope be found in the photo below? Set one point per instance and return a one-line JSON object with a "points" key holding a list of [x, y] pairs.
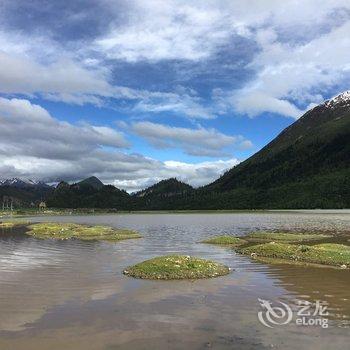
{"points": [[162, 195], [306, 166], [165, 188], [85, 195], [92, 181], [25, 196]]}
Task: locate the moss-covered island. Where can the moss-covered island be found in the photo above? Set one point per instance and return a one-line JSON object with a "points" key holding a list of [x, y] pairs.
{"points": [[11, 224], [330, 254], [290, 247], [176, 267], [285, 237], [7, 224], [83, 232], [225, 240]]}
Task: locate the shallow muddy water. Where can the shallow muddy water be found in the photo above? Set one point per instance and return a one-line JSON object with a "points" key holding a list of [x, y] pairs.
{"points": [[73, 295]]}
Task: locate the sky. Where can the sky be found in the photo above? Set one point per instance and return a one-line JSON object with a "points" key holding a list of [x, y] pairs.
{"points": [[137, 91]]}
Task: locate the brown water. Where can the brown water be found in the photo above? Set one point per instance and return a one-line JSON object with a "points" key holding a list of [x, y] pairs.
{"points": [[72, 294]]}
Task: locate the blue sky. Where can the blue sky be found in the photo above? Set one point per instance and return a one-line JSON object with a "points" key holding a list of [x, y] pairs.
{"points": [[138, 91]]}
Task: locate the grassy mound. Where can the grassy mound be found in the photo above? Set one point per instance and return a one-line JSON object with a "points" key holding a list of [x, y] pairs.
{"points": [[226, 240], [175, 267], [7, 224], [10, 224], [285, 237], [84, 232], [326, 254]]}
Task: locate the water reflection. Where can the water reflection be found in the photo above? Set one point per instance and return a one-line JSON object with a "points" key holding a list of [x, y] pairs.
{"points": [[73, 292]]}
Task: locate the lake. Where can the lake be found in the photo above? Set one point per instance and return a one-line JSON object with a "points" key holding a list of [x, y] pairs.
{"points": [[73, 295]]}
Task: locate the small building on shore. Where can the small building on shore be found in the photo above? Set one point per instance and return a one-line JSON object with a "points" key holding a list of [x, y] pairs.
{"points": [[42, 205]]}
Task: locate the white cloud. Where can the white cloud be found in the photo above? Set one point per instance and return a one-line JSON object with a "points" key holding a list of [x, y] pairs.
{"points": [[190, 30], [58, 76], [33, 144], [301, 50], [294, 73], [129, 172], [200, 172], [199, 142], [181, 103], [62, 80], [255, 102], [28, 129], [158, 30], [196, 174]]}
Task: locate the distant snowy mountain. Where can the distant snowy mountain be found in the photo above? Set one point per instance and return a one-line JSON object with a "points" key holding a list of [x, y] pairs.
{"points": [[22, 183], [24, 192]]}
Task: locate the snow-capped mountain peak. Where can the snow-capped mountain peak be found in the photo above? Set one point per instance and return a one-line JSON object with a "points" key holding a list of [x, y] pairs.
{"points": [[341, 99], [16, 182]]}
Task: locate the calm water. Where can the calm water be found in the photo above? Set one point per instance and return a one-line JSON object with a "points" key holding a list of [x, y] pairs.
{"points": [[72, 294]]}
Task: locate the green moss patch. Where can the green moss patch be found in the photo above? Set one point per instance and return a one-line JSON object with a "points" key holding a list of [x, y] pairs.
{"points": [[285, 237], [226, 240], [326, 254], [340, 248], [84, 232], [7, 224], [11, 224], [175, 267]]}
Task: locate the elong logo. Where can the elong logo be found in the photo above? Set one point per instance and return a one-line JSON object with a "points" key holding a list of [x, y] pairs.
{"points": [[274, 315], [282, 314]]}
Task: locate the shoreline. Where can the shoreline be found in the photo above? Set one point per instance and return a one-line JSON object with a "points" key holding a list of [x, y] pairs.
{"points": [[94, 212]]}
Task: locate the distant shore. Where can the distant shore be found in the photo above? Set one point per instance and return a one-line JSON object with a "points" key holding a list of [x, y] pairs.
{"points": [[87, 211]]}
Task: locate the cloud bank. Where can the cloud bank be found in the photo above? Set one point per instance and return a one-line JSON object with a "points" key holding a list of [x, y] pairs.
{"points": [[199, 142], [298, 55], [33, 144]]}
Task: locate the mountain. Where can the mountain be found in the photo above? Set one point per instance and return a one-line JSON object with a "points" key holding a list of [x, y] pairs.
{"points": [[24, 193], [89, 194], [22, 183], [165, 188], [306, 166], [166, 194], [92, 181]]}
